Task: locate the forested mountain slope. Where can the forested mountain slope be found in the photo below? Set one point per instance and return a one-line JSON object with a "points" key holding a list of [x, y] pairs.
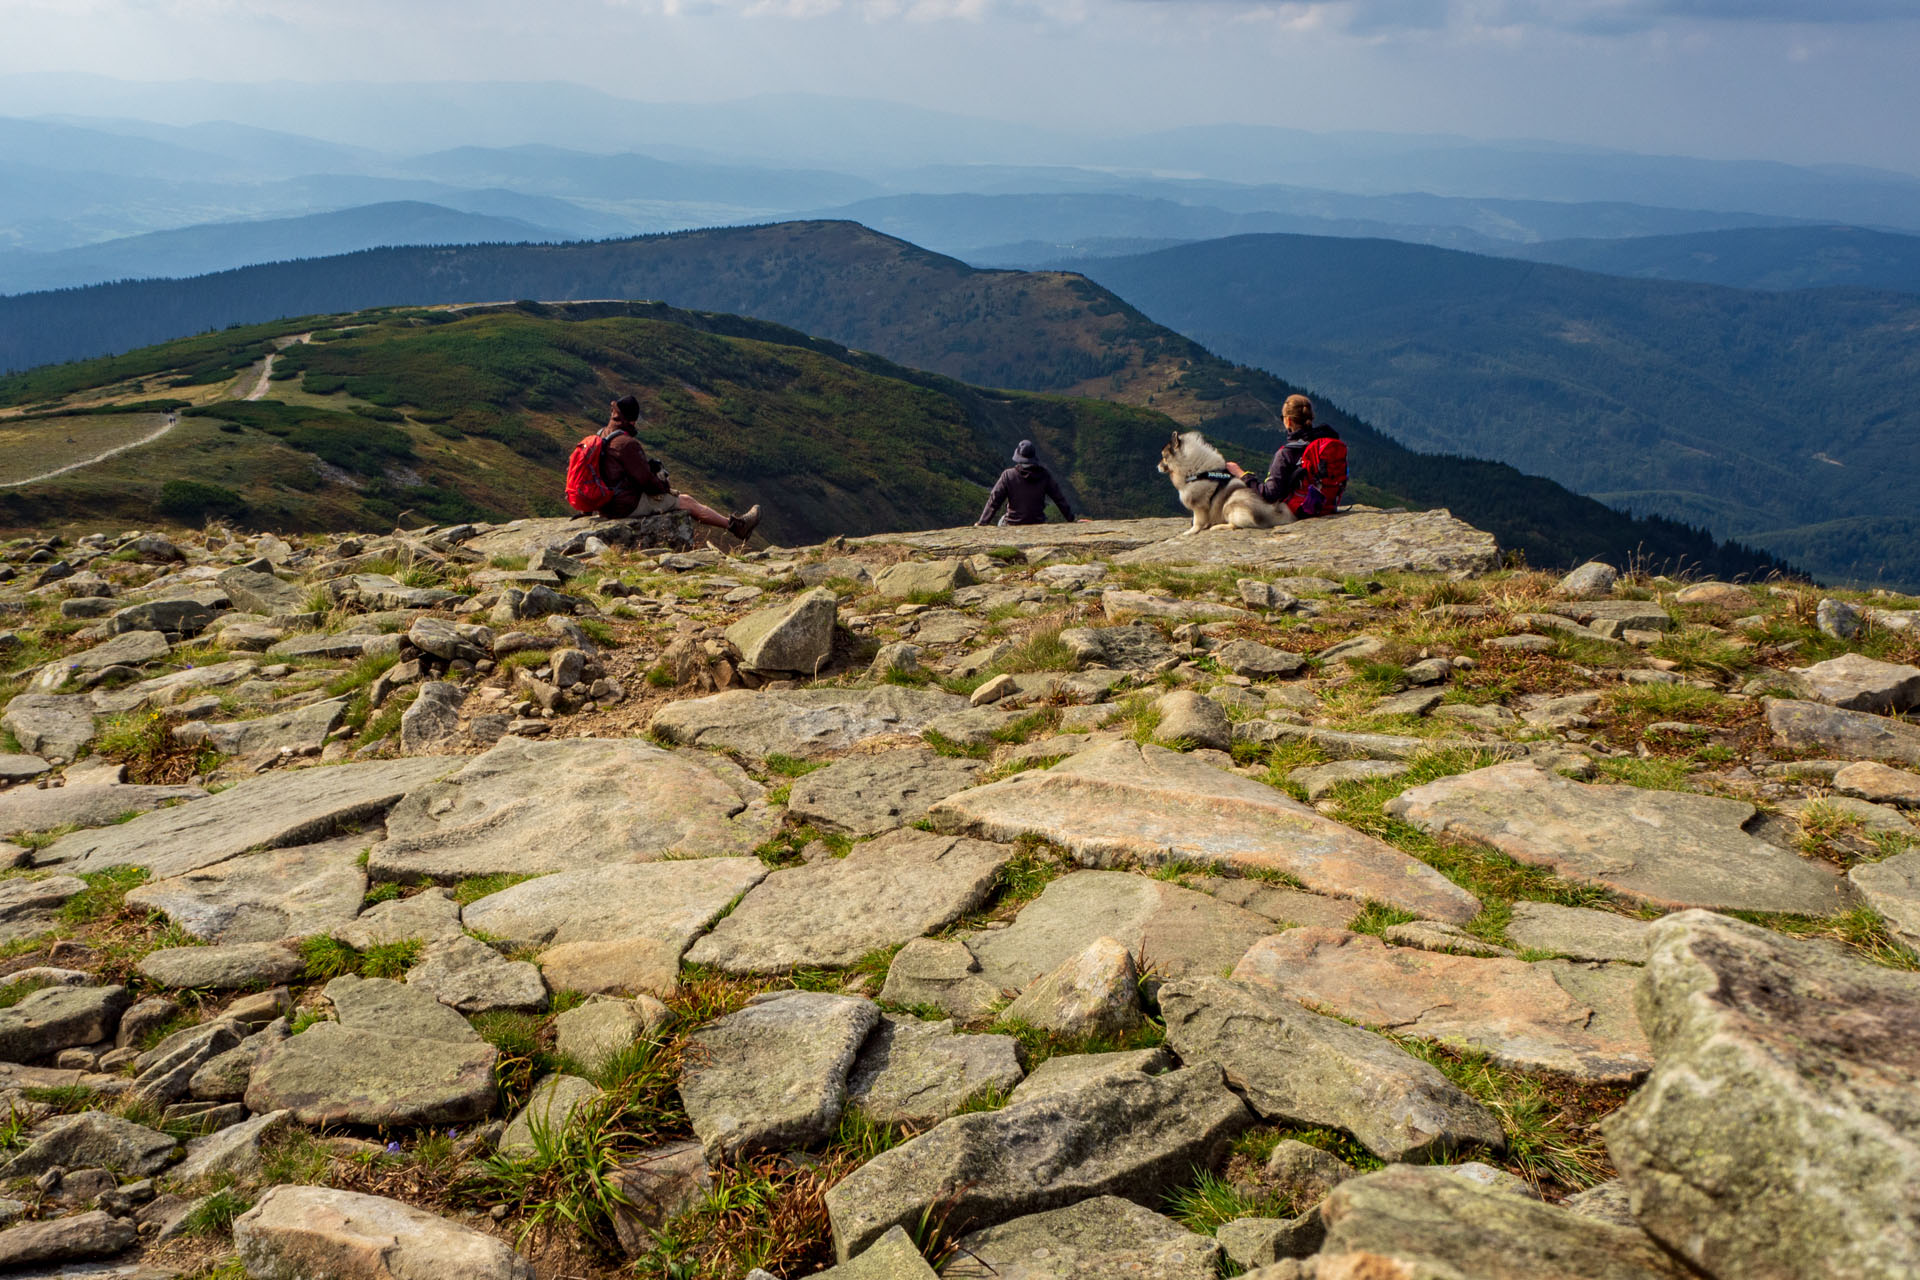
{"points": [[1035, 331], [1785, 420]]}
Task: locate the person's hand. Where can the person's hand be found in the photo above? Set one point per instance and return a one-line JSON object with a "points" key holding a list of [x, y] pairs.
{"points": [[1084, 520], [1233, 469]]}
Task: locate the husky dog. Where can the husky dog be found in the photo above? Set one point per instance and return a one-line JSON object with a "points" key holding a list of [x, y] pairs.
{"points": [[1199, 475]]}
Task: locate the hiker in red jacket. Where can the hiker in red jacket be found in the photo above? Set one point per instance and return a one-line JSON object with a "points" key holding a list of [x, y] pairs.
{"points": [[639, 486], [1306, 477]]}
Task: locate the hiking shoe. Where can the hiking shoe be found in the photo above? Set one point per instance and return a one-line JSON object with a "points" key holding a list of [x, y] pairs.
{"points": [[743, 525]]}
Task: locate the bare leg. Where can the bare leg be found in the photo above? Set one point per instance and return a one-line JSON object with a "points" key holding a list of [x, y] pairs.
{"points": [[701, 512]]}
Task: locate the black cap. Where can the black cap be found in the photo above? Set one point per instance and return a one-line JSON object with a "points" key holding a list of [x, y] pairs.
{"points": [[628, 408], [1025, 452]]}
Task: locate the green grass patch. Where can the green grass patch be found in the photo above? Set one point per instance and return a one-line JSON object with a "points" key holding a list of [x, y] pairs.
{"points": [[327, 958], [1654, 773], [1210, 1201], [473, 888]]}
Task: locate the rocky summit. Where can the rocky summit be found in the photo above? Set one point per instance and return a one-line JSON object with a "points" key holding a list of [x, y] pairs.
{"points": [[568, 898]]}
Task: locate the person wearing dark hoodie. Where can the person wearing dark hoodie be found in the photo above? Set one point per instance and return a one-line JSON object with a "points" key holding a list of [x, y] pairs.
{"points": [[1023, 489], [638, 486]]}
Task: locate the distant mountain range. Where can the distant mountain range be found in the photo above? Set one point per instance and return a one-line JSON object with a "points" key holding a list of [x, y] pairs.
{"points": [[220, 246], [1042, 332], [1785, 420]]}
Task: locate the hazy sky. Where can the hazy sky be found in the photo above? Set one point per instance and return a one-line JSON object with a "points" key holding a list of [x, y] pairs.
{"points": [[1796, 80]]}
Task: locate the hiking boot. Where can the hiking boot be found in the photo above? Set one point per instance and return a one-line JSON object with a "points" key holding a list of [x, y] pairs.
{"points": [[743, 525]]}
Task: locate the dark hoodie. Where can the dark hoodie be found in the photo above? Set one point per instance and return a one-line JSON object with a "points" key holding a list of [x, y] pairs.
{"points": [[1025, 488], [1283, 477]]}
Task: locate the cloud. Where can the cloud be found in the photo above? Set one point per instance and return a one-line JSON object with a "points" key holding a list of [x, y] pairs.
{"points": [[1601, 17]]}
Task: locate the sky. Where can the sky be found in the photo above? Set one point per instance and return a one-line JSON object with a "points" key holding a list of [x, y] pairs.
{"points": [[1803, 81]]}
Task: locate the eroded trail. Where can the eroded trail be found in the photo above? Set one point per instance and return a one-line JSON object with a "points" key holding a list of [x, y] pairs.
{"points": [[171, 421]]}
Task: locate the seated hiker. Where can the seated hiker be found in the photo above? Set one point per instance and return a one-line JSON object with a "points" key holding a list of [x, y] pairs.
{"points": [[1025, 487], [1309, 471], [610, 474]]}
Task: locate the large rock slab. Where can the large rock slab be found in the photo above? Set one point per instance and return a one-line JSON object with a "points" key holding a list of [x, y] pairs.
{"points": [[1096, 1239], [130, 649], [53, 726], [1124, 802], [95, 1140], [794, 637], [165, 690], [1138, 647], [1355, 543], [1412, 1222], [1878, 784], [801, 722], [1552, 1016], [259, 897], [254, 592], [1578, 933], [919, 1073], [29, 907], [773, 1075], [299, 806], [940, 972], [429, 915], [295, 1233], [1860, 683], [33, 809], [867, 794], [56, 1018], [94, 1234], [569, 804], [392, 1008], [229, 966], [1096, 538], [1666, 847], [832, 912], [1780, 1133], [672, 901], [1297, 1067], [1126, 1135], [1174, 931], [922, 578], [1849, 735], [466, 974], [1892, 887], [301, 731], [335, 1074]]}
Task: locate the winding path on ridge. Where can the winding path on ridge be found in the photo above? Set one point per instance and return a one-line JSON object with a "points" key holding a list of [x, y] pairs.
{"points": [[257, 391]]}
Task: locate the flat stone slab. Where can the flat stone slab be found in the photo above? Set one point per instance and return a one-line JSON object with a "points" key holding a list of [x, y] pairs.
{"points": [[165, 690], [867, 794], [259, 897], [1670, 848], [1298, 1067], [1779, 1134], [16, 767], [1142, 804], [335, 1074], [56, 1018], [301, 731], [34, 809], [129, 649], [391, 1008], [802, 722], [902, 886], [321, 1231], [567, 804], [1136, 647], [919, 1073], [1411, 1221], [1860, 683], [1892, 887], [228, 967], [1096, 1239], [29, 907], [1173, 931], [1096, 538], [298, 806], [774, 1075], [672, 901], [429, 915], [1553, 1016], [1119, 604], [53, 726], [1850, 735], [1578, 933], [1127, 1135], [466, 974], [1878, 784], [1347, 545]]}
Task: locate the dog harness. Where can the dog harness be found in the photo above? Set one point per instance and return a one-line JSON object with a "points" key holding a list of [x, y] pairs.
{"points": [[1221, 479]]}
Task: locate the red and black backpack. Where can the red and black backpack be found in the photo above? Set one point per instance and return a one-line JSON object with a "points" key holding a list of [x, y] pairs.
{"points": [[1323, 478], [587, 488]]}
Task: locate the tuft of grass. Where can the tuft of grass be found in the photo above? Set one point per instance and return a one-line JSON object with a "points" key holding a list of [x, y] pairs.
{"points": [[105, 896], [214, 1214], [1653, 773], [945, 746], [1862, 929], [327, 958], [1209, 1202], [792, 766], [1042, 650], [294, 1155], [1377, 917], [1037, 1044], [473, 888]]}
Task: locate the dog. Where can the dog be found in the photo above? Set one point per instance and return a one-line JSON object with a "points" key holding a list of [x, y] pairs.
{"points": [[1199, 475]]}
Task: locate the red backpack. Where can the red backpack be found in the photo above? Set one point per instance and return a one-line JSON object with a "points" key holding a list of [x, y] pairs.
{"points": [[587, 489], [1323, 478]]}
